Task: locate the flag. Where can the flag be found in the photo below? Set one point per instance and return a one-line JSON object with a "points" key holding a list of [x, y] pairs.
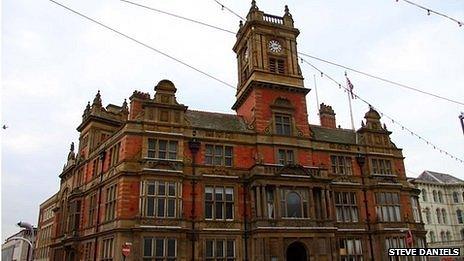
{"points": [[461, 117], [350, 86], [409, 238]]}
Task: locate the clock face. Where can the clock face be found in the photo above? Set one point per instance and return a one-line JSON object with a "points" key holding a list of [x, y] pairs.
{"points": [[275, 46]]}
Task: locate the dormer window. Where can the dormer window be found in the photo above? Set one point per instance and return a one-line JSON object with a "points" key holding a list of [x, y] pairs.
{"points": [[283, 124]]}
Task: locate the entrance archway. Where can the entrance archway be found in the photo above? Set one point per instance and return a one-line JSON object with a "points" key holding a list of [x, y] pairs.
{"points": [[296, 251]]}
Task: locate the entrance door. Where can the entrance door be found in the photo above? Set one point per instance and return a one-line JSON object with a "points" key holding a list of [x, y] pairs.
{"points": [[296, 252]]}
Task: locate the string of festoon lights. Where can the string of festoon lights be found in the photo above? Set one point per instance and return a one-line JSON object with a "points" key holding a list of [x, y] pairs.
{"points": [[334, 63], [404, 128], [430, 11], [382, 114]]}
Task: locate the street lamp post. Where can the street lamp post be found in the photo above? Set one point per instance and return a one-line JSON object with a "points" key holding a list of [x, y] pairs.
{"points": [[31, 243], [194, 147]]}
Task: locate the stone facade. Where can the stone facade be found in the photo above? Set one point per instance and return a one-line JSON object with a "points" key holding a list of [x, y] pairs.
{"points": [[442, 204], [261, 184]]}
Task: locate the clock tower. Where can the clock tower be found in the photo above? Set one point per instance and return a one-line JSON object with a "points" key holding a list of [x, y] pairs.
{"points": [[270, 84]]}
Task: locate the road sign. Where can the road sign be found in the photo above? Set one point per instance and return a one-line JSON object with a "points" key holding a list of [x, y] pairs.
{"points": [[126, 249]]}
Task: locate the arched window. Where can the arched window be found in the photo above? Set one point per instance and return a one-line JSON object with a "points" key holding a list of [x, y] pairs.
{"points": [[438, 216], [462, 234], [443, 215], [294, 205], [427, 216], [442, 236], [459, 216], [455, 197], [432, 236], [434, 196], [448, 236], [440, 197], [424, 195]]}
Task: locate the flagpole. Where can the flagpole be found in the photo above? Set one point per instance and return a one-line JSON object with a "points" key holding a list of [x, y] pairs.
{"points": [[351, 110], [317, 97], [350, 95]]}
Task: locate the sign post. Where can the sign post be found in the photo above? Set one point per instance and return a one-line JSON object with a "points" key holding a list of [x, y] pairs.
{"points": [[126, 249]]}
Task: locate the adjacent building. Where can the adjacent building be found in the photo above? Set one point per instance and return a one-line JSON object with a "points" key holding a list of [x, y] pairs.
{"points": [[260, 184], [442, 206], [16, 248], [45, 225]]}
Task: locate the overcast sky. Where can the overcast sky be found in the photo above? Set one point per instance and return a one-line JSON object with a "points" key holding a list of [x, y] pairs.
{"points": [[53, 62]]}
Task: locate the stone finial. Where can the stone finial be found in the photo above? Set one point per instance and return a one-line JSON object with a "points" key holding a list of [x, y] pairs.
{"points": [[287, 11], [240, 24], [253, 5], [125, 108], [97, 101], [71, 155], [86, 110]]}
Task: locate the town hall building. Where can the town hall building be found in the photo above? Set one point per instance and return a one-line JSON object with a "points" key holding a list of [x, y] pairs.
{"points": [[263, 184]]}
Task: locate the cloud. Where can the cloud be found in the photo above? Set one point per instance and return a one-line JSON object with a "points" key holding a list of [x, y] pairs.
{"points": [[53, 62]]}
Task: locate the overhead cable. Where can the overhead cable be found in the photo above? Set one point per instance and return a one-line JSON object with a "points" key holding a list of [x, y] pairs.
{"points": [[430, 11], [346, 67], [393, 121], [145, 45]]}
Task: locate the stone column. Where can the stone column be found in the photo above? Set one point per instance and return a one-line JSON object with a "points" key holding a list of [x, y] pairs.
{"points": [[312, 213], [258, 201], [277, 207], [324, 205], [329, 204], [263, 197], [253, 214]]}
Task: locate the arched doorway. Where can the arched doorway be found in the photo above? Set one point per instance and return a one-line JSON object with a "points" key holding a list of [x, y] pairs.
{"points": [[296, 252]]}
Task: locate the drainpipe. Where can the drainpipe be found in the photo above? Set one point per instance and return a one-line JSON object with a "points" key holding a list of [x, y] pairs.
{"points": [[194, 146], [97, 223], [361, 160], [245, 218]]}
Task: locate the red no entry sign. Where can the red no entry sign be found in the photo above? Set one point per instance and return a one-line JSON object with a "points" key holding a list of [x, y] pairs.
{"points": [[126, 249]]}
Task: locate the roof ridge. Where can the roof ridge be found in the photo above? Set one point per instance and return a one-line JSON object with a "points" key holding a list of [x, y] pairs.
{"points": [[328, 128], [213, 112], [433, 176]]}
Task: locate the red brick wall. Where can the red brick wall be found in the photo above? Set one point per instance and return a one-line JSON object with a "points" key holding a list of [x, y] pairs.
{"points": [[128, 197], [131, 147], [261, 99]]}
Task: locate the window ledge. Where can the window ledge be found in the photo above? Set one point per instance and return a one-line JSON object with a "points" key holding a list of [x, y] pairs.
{"points": [[160, 159]]}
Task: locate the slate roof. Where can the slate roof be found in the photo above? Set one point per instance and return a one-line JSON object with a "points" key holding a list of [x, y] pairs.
{"points": [[232, 122], [439, 178], [216, 121], [333, 135]]}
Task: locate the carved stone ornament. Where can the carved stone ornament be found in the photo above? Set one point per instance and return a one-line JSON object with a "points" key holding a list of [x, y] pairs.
{"points": [[293, 169], [163, 164], [220, 171]]}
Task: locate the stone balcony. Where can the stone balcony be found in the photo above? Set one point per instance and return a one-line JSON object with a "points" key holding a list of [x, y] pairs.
{"points": [[288, 170]]}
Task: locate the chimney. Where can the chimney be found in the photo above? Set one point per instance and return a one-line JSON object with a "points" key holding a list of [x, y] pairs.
{"points": [[327, 116]]}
